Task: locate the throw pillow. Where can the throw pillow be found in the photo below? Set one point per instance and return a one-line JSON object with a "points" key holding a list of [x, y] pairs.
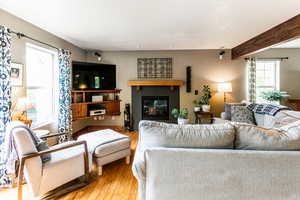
{"points": [[250, 137], [228, 107], [242, 114], [157, 134]]}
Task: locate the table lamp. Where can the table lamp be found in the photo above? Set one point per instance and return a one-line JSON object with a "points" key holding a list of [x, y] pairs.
{"points": [[22, 106], [224, 87]]}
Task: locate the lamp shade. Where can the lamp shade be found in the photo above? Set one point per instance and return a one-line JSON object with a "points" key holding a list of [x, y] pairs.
{"points": [[224, 87], [23, 104]]}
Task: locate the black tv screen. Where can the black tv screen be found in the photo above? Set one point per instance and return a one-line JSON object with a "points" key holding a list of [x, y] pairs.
{"points": [[93, 76]]}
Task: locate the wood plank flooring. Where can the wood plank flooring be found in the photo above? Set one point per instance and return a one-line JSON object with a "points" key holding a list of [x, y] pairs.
{"points": [[116, 183]]}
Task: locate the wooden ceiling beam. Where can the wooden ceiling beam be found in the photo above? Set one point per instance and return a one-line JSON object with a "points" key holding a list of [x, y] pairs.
{"points": [[283, 32]]}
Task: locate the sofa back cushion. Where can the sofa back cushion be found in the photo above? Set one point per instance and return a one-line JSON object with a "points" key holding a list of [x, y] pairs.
{"points": [[157, 134], [250, 137]]}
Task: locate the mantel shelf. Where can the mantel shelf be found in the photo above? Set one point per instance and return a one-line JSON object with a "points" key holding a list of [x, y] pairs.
{"points": [[155, 83]]}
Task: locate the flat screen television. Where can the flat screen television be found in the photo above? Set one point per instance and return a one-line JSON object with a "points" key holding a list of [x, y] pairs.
{"points": [[93, 76]]}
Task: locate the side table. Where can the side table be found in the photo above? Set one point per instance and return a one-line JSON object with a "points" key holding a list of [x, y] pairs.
{"points": [[200, 115]]}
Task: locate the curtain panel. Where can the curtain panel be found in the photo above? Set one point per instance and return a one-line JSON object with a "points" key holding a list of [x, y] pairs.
{"points": [[65, 99], [5, 97], [251, 67]]}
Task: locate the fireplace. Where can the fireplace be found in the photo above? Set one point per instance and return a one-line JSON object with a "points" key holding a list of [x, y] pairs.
{"points": [[154, 103], [155, 108]]}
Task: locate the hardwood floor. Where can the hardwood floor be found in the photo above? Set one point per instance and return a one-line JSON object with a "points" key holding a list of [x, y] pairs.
{"points": [[116, 183]]}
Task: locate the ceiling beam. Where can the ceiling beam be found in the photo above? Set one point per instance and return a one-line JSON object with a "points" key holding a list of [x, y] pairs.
{"points": [[284, 32]]}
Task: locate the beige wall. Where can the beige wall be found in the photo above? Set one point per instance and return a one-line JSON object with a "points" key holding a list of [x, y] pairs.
{"points": [[289, 69], [18, 50], [206, 69]]}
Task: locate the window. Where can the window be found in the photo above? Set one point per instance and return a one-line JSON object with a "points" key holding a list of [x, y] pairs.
{"points": [[267, 77], [40, 79]]}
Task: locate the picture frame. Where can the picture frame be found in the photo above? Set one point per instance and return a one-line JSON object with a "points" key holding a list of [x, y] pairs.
{"points": [[154, 68], [16, 74]]}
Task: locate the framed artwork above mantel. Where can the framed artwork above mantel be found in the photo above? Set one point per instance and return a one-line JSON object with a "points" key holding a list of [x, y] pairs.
{"points": [[154, 68]]}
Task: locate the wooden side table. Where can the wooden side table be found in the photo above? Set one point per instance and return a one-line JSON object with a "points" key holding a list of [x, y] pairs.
{"points": [[200, 115]]}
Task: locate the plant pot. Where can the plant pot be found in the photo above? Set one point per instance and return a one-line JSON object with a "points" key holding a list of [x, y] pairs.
{"points": [[182, 121], [205, 108], [197, 109]]}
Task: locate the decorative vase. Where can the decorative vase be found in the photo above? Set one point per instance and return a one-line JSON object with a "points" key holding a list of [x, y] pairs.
{"points": [[205, 108], [197, 109], [182, 121]]}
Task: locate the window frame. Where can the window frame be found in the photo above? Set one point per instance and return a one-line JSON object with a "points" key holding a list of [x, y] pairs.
{"points": [[276, 81], [54, 83]]}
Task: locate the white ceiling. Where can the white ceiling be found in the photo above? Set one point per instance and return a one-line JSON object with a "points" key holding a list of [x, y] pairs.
{"points": [[295, 44], [154, 24]]}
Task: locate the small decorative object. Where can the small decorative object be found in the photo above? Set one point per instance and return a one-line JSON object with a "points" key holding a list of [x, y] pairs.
{"points": [[274, 97], [16, 74], [181, 115], [154, 68], [205, 98], [224, 87]]}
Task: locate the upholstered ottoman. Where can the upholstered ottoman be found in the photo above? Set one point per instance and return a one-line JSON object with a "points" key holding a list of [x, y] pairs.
{"points": [[106, 146]]}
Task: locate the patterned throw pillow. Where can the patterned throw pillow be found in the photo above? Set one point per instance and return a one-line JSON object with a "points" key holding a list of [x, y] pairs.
{"points": [[228, 107], [242, 114]]}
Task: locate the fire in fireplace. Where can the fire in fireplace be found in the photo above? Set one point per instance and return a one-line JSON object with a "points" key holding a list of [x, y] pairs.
{"points": [[155, 107]]}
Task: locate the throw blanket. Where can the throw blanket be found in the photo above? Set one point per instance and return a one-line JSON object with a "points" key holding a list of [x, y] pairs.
{"points": [[98, 138], [10, 154], [268, 109]]}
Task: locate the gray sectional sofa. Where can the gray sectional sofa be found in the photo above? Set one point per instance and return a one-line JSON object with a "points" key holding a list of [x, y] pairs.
{"points": [[226, 161]]}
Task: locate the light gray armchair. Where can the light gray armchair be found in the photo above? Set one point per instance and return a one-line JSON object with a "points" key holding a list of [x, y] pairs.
{"points": [[68, 161]]}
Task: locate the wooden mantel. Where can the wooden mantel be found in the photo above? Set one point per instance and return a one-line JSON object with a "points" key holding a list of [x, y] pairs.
{"points": [[155, 82]]}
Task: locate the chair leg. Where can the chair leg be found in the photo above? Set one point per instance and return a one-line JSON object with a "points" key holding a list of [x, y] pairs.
{"points": [[100, 170], [20, 180], [127, 160]]}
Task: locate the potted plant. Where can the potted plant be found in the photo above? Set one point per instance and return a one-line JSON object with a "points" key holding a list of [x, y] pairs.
{"points": [[205, 98], [197, 106], [181, 115], [274, 96]]}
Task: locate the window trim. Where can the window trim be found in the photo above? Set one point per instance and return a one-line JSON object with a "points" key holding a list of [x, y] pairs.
{"points": [[54, 91], [276, 85]]}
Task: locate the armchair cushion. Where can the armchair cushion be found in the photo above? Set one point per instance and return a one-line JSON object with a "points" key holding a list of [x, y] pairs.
{"points": [[64, 166]]}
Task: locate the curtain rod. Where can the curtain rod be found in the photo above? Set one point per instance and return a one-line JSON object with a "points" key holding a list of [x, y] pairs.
{"points": [[272, 58], [22, 35]]}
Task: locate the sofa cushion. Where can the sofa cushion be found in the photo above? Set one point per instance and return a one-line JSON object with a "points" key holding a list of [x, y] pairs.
{"points": [[156, 134], [284, 118], [228, 106], [242, 114], [250, 137]]}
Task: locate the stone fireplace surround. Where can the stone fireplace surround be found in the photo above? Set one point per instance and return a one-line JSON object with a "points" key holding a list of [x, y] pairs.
{"points": [[137, 93]]}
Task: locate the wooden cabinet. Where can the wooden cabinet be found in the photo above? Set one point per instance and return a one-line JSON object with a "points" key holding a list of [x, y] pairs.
{"points": [[79, 110], [113, 108], [82, 103]]}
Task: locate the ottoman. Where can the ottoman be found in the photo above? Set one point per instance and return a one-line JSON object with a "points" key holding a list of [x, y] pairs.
{"points": [[106, 146]]}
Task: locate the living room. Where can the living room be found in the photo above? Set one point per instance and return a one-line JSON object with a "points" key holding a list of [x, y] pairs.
{"points": [[92, 81]]}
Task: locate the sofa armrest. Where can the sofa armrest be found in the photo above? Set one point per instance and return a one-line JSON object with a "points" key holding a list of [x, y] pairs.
{"points": [[138, 165]]}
